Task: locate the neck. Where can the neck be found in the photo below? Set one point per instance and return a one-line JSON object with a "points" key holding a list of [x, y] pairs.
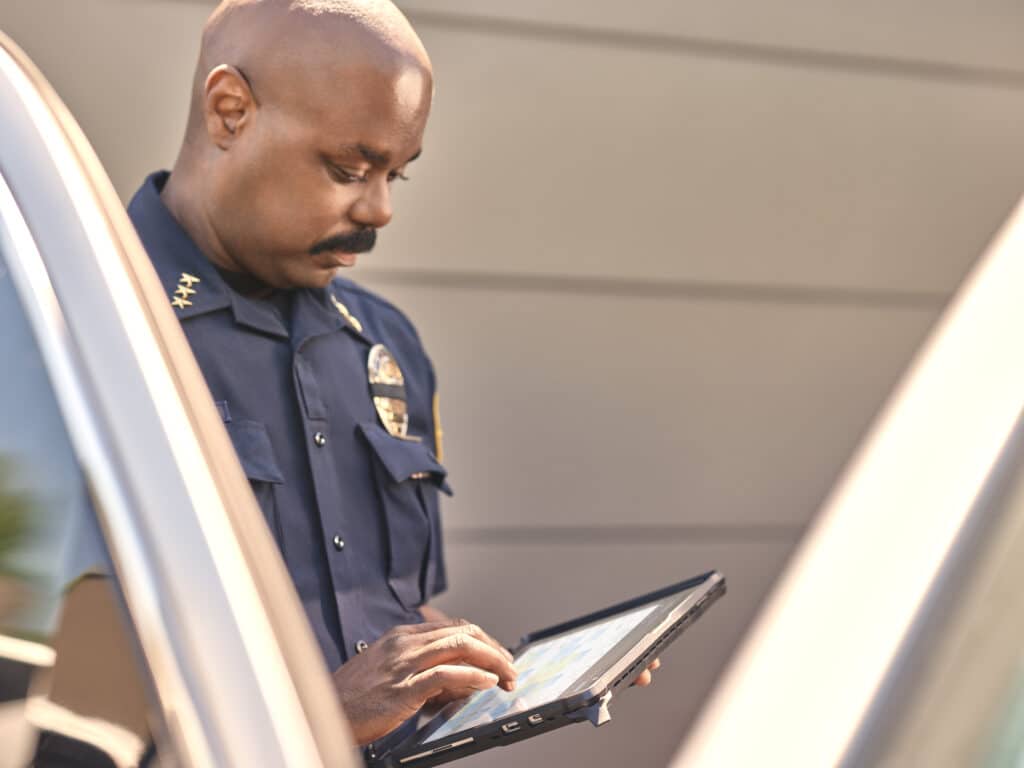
{"points": [[246, 285], [179, 195]]}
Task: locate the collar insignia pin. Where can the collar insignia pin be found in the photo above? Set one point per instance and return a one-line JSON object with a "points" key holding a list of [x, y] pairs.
{"points": [[180, 298], [343, 310]]}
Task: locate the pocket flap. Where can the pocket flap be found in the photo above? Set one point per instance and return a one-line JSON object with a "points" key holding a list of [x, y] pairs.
{"points": [[256, 454], [404, 458]]}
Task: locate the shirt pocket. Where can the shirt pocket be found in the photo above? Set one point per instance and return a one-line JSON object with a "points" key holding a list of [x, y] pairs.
{"points": [[256, 455], [406, 472]]}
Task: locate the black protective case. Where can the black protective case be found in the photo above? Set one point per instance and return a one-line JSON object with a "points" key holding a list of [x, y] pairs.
{"points": [[591, 704]]}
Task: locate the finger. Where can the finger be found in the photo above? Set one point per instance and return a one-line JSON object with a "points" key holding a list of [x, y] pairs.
{"points": [[419, 629], [439, 629], [451, 695], [478, 633], [460, 648], [656, 664], [645, 679], [472, 630], [440, 680]]}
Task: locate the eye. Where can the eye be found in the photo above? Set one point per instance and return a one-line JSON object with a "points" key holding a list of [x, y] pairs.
{"points": [[342, 176], [397, 175]]}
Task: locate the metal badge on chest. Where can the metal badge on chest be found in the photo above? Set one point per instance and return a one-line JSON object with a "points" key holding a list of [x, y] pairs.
{"points": [[387, 386]]}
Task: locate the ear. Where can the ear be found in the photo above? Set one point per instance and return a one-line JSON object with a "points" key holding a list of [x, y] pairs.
{"points": [[229, 105]]}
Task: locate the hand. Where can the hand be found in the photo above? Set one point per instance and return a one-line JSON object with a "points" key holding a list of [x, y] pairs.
{"points": [[647, 677], [410, 665]]}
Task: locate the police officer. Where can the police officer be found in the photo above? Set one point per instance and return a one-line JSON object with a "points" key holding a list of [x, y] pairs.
{"points": [[304, 114]]}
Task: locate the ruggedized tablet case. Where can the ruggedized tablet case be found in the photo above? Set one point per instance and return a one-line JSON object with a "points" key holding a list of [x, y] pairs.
{"points": [[591, 704]]}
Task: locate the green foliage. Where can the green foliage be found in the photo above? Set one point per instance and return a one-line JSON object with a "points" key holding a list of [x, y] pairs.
{"points": [[15, 516]]}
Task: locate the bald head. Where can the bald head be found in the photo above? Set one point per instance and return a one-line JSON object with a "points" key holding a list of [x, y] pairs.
{"points": [[290, 47], [303, 113]]}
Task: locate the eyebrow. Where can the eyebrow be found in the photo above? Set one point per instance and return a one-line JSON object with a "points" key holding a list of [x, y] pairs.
{"points": [[375, 157]]}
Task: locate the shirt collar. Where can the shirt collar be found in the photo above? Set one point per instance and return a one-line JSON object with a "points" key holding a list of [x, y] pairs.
{"points": [[184, 271], [195, 287], [314, 314]]}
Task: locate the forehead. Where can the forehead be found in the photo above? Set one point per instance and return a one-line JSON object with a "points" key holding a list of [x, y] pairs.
{"points": [[384, 109]]}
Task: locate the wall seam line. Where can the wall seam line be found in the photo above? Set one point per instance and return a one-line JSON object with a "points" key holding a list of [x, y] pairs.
{"points": [[792, 57], [661, 289], [625, 535]]}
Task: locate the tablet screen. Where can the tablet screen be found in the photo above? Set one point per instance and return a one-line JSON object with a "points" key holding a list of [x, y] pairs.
{"points": [[546, 670]]}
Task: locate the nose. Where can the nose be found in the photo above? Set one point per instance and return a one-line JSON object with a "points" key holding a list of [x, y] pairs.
{"points": [[373, 208]]}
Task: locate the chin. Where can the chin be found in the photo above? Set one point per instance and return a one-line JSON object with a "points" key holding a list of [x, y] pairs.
{"points": [[320, 278], [306, 275]]}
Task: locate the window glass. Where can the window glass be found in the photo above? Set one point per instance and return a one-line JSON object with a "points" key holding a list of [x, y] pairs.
{"points": [[71, 688]]}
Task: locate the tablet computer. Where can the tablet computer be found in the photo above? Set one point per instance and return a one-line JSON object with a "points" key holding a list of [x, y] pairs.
{"points": [[567, 674]]}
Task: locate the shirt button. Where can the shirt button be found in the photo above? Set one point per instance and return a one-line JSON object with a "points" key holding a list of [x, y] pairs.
{"points": [[339, 543], [320, 439], [361, 646]]}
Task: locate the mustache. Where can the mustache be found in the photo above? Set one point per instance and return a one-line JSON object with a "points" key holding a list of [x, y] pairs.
{"points": [[360, 241]]}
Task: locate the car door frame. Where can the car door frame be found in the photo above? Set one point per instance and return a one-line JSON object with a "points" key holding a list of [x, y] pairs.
{"points": [[238, 675]]}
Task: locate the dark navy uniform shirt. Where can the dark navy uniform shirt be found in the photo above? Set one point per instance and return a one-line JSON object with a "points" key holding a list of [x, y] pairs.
{"points": [[353, 508]]}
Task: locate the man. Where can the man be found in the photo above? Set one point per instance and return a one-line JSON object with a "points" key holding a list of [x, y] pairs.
{"points": [[304, 114]]}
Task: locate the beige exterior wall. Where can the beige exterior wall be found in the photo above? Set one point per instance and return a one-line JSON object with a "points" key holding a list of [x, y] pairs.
{"points": [[668, 257]]}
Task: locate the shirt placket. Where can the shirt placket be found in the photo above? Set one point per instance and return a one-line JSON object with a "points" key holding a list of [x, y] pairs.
{"points": [[324, 437], [321, 447]]}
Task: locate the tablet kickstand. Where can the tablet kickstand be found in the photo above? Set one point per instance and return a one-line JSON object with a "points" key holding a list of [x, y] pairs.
{"points": [[597, 713]]}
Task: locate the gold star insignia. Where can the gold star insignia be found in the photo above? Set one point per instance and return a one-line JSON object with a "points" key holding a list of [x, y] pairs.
{"points": [[180, 298]]}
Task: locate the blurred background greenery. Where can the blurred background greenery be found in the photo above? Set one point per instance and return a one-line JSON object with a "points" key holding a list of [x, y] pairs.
{"points": [[16, 509]]}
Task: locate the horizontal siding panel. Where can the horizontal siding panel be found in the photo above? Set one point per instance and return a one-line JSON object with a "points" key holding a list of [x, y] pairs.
{"points": [[510, 591], [566, 410], [557, 159], [123, 68], [552, 158], [977, 34]]}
